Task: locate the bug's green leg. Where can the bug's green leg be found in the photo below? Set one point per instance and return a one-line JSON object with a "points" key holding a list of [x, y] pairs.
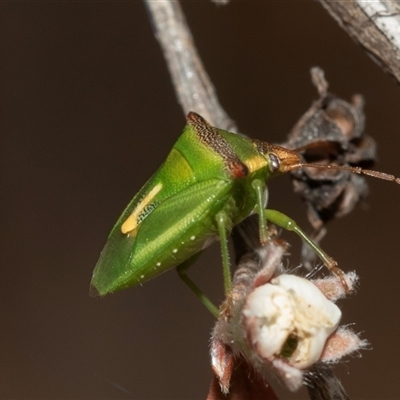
{"points": [[182, 269], [260, 189], [224, 224], [287, 223]]}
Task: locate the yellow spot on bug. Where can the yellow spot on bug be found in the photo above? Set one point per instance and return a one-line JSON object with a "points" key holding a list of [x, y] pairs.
{"points": [[192, 237], [131, 222], [255, 163], [175, 250], [158, 264]]}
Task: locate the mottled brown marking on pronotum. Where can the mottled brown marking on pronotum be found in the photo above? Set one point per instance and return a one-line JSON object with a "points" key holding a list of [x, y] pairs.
{"points": [[210, 136], [262, 147]]}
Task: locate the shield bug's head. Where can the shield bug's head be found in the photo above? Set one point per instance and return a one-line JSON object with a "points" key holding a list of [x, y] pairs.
{"points": [[279, 159]]}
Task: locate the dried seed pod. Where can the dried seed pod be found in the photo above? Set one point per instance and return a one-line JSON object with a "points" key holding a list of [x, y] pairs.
{"points": [[331, 132]]}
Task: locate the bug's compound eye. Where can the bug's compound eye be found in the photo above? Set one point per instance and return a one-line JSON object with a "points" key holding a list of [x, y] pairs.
{"points": [[274, 162]]}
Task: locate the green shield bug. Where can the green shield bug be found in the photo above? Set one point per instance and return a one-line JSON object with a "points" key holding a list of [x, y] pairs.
{"points": [[211, 180]]}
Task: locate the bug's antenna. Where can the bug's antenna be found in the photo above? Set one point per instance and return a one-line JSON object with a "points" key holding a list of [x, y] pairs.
{"points": [[356, 170]]}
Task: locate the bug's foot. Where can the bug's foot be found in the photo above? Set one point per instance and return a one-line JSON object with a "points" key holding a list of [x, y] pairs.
{"points": [[332, 265]]}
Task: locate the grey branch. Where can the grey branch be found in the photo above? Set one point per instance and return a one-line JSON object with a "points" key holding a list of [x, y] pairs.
{"points": [[192, 85], [373, 24]]}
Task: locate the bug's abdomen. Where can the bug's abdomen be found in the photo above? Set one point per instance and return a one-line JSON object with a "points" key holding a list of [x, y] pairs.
{"points": [[177, 229]]}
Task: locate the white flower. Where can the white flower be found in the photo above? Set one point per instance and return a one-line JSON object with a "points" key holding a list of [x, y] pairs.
{"points": [[289, 318]]}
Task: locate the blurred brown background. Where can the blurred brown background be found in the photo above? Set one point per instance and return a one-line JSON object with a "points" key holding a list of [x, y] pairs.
{"points": [[87, 114]]}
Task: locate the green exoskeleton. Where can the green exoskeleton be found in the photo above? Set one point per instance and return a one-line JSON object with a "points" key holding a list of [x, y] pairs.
{"points": [[211, 180]]}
